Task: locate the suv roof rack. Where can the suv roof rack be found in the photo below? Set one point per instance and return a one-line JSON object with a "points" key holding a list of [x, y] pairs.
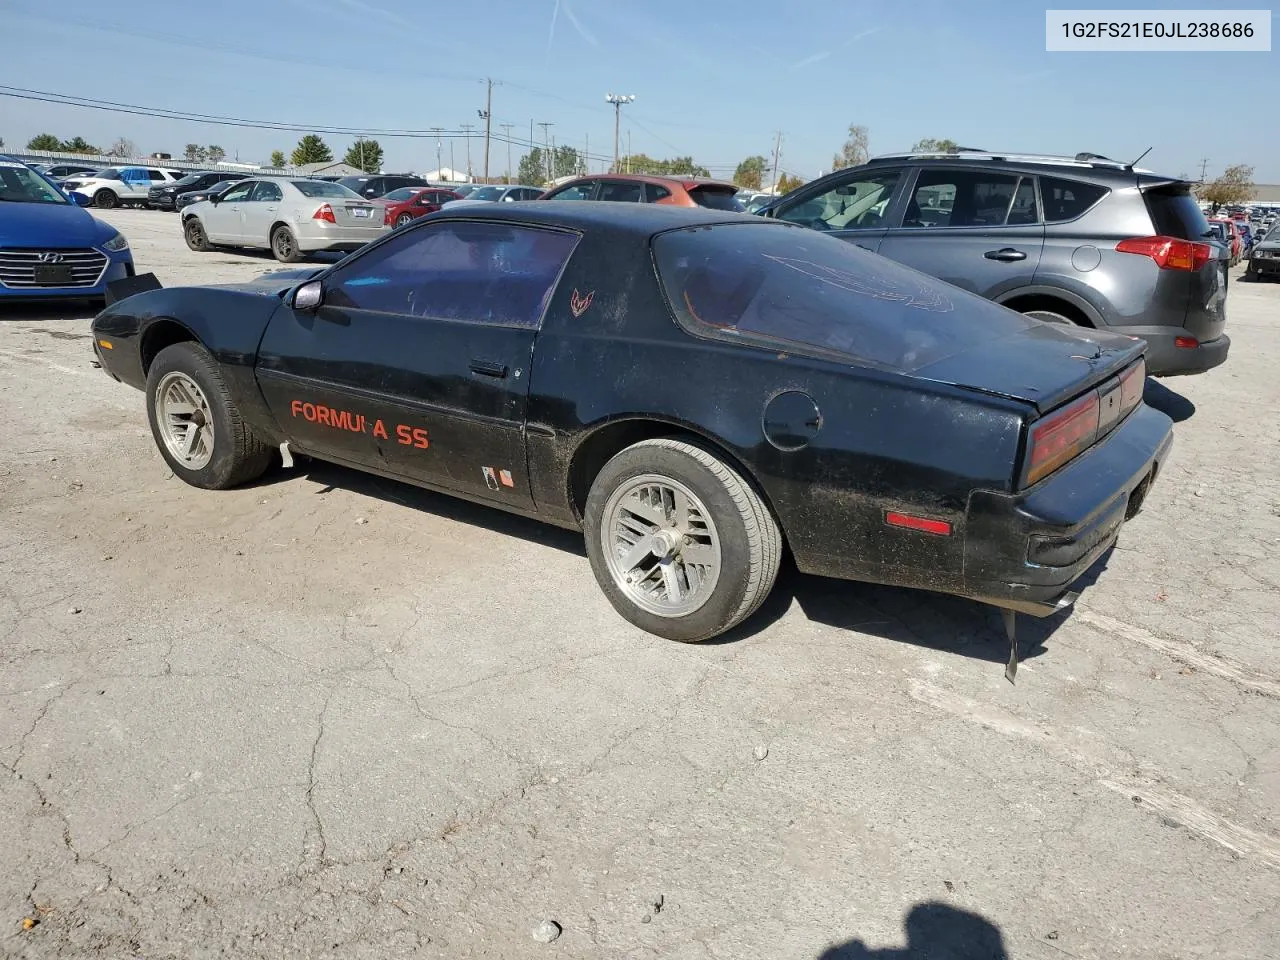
{"points": [[968, 153]]}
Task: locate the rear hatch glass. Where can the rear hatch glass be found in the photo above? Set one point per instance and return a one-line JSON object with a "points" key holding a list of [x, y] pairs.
{"points": [[717, 198], [1175, 213]]}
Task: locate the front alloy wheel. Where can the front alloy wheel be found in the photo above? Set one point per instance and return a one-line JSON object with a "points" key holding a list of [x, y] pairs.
{"points": [[184, 420]]}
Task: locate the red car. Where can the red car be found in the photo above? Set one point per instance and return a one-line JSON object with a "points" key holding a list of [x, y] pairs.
{"points": [[408, 203], [1235, 239]]}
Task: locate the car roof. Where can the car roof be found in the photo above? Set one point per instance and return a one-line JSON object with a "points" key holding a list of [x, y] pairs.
{"points": [[688, 182], [640, 218]]}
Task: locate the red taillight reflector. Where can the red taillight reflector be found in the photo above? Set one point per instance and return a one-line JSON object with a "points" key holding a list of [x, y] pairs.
{"points": [[386, 218], [1062, 435], [1132, 382], [923, 524], [325, 213], [1186, 343], [1169, 253]]}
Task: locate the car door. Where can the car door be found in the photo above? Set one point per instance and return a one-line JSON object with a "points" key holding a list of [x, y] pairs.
{"points": [[978, 228], [222, 220], [856, 206], [135, 183], [416, 364], [259, 212]]}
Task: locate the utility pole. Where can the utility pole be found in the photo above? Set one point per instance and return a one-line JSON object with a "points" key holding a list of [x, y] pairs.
{"points": [[452, 166], [586, 152], [618, 100], [437, 131], [777, 148], [485, 115], [546, 141], [506, 130], [467, 128], [628, 151], [1204, 166]]}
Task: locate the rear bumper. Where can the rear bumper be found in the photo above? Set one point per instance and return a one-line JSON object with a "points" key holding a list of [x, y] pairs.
{"points": [[163, 202], [1166, 359], [1028, 548], [318, 235]]}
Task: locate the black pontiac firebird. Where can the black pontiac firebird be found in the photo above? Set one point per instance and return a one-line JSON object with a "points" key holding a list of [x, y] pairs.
{"points": [[693, 389]]}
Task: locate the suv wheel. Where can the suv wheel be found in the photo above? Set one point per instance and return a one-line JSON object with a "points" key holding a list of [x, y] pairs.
{"points": [[105, 199], [1048, 316]]}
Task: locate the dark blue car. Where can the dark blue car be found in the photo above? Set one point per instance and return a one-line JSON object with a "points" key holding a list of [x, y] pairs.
{"points": [[51, 249]]}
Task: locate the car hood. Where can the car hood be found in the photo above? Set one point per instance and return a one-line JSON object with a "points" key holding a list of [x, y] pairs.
{"points": [[275, 283], [50, 224], [1267, 245], [1043, 364]]}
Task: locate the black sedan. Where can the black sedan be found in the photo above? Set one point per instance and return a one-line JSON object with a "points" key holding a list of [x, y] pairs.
{"points": [[693, 389], [184, 200], [166, 197]]}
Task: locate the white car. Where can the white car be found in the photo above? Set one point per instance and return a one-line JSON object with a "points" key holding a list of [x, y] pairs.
{"points": [[119, 186], [290, 217]]}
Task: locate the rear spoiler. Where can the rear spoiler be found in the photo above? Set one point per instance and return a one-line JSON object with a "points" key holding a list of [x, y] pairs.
{"points": [[123, 289]]}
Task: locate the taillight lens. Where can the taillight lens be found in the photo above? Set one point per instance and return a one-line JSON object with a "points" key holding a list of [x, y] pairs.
{"points": [[386, 217], [325, 213], [1132, 382], [1061, 436], [1169, 253]]}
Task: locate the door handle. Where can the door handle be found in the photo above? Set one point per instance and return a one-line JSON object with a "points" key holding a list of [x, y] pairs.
{"points": [[489, 368], [1005, 255]]}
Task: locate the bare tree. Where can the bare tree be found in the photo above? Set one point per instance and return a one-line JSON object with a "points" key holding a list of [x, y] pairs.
{"points": [[856, 150]]}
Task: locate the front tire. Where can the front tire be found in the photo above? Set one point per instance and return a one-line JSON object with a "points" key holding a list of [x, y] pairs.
{"points": [[404, 220], [679, 541], [195, 424], [284, 245], [105, 199], [197, 239]]}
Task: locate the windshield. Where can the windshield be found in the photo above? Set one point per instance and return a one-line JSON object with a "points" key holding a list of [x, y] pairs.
{"points": [[404, 193], [330, 191], [465, 189], [793, 289], [189, 181], [486, 193], [109, 173], [19, 184]]}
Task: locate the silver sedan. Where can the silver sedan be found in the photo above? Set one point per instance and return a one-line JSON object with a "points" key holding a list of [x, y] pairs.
{"points": [[289, 217], [497, 193]]}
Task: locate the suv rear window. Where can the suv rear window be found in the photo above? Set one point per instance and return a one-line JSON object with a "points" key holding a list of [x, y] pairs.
{"points": [[793, 289], [717, 198], [1175, 213], [1067, 199]]}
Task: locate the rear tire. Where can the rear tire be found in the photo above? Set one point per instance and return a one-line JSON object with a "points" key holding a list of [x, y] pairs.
{"points": [[403, 220], [105, 199], [284, 245], [197, 239], [195, 424], [1048, 316], [714, 546]]}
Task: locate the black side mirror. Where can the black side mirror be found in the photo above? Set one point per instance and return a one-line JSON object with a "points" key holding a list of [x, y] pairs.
{"points": [[309, 296]]}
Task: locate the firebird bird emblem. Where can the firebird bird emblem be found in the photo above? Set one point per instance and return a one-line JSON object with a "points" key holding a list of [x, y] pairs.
{"points": [[578, 304]]}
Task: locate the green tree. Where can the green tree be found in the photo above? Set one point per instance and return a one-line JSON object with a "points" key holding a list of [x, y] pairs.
{"points": [[365, 154], [277, 158], [1234, 186], [564, 162], [311, 149], [44, 141], [214, 153], [750, 172], [685, 167], [931, 145], [856, 150], [788, 183], [532, 168], [77, 145], [193, 152], [678, 166]]}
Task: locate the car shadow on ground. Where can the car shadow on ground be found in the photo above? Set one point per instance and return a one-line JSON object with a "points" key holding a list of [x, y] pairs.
{"points": [[1174, 405], [934, 931], [918, 617], [47, 312], [321, 258]]}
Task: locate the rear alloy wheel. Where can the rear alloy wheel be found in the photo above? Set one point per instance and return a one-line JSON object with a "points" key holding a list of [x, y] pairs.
{"points": [[106, 199], [403, 220], [679, 542], [197, 239], [284, 245], [1048, 316], [196, 426]]}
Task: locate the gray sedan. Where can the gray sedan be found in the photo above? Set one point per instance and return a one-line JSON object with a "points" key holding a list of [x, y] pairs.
{"points": [[497, 193], [289, 217]]}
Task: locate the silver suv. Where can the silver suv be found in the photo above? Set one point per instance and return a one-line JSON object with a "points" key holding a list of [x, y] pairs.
{"points": [[1082, 240]]}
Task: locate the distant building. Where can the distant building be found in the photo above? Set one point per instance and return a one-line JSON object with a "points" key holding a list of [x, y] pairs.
{"points": [[1266, 193], [446, 175], [330, 169]]}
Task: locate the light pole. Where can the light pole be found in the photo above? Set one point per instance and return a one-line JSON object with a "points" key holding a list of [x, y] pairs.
{"points": [[506, 129], [437, 131], [488, 123], [617, 99], [546, 146], [468, 127]]}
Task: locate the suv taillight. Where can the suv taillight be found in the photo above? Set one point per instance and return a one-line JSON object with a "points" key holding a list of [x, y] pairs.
{"points": [[1169, 253], [325, 213]]}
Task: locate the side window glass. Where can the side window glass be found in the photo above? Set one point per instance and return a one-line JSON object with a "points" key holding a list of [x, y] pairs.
{"points": [[238, 193], [267, 192], [581, 191], [859, 203], [490, 273], [1067, 199], [155, 175], [960, 198], [1023, 211], [619, 191], [653, 193]]}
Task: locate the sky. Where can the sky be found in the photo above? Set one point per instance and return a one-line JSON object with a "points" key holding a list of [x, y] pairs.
{"points": [[713, 79]]}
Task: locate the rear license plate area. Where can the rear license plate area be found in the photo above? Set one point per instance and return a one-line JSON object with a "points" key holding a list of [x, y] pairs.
{"points": [[53, 276], [361, 212]]}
